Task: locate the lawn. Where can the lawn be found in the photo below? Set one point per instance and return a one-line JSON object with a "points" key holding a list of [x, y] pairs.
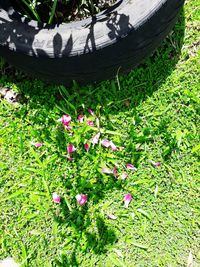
{"points": [[152, 116]]}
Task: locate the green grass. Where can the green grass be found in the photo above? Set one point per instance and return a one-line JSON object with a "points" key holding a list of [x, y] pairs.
{"points": [[154, 115]]}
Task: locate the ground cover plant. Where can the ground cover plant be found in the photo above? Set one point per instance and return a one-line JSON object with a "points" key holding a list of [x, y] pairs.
{"points": [[114, 182], [56, 11]]}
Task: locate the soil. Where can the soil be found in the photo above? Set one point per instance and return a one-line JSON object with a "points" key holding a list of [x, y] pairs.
{"points": [[66, 11]]}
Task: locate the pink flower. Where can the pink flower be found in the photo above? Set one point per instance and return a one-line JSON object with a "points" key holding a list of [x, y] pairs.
{"points": [[91, 111], [113, 146], [124, 176], [106, 170], [37, 144], [87, 147], [127, 200], [130, 167], [65, 119], [56, 198], [90, 123], [95, 139], [81, 198], [81, 118], [105, 143], [70, 148]]}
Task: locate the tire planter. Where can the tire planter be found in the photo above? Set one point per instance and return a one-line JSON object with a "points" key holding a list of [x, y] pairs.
{"points": [[90, 50]]}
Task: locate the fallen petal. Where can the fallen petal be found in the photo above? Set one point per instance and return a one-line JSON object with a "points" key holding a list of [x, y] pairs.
{"points": [[69, 158], [87, 147], [106, 170], [70, 148], [95, 139], [81, 198], [113, 146], [81, 118], [56, 198], [65, 119], [105, 143], [91, 111], [127, 200], [130, 167], [36, 144], [112, 216], [124, 176], [90, 123]]}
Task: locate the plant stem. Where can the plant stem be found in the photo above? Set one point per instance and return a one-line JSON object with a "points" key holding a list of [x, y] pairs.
{"points": [[32, 10], [52, 11]]}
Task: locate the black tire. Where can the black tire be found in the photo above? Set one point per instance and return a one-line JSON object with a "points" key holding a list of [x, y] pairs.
{"points": [[90, 50]]}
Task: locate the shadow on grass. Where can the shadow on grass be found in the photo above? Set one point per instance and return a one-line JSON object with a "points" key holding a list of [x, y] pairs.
{"points": [[120, 95], [135, 86]]}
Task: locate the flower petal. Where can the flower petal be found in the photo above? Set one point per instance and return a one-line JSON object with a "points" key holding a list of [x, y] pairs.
{"points": [[65, 119], [69, 158], [113, 146], [105, 143], [87, 147], [95, 139], [70, 148], [90, 123], [36, 144], [81, 199], [112, 216], [106, 170], [91, 111], [124, 176], [127, 200], [130, 166], [80, 118], [56, 198]]}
